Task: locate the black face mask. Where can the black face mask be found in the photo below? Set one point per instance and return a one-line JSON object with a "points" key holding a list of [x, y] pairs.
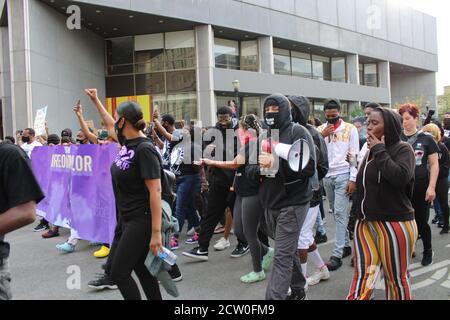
{"points": [[79, 141], [119, 134], [333, 121], [25, 139], [272, 119]]}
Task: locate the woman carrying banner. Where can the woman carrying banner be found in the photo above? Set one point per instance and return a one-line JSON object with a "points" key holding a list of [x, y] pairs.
{"points": [[136, 175]]}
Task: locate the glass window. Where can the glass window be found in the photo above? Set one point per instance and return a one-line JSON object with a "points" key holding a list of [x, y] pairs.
{"points": [[338, 69], [318, 110], [371, 75], [181, 81], [120, 86], [361, 74], [252, 105], [150, 61], [180, 50], [249, 56], [321, 68], [182, 106], [149, 42], [282, 61], [226, 53], [150, 83], [181, 58], [119, 52], [301, 64]]}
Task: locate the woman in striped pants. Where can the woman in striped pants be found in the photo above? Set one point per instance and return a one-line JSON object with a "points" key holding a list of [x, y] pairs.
{"points": [[386, 232]]}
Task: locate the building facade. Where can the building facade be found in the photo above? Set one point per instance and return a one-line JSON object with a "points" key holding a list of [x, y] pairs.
{"points": [[181, 56]]}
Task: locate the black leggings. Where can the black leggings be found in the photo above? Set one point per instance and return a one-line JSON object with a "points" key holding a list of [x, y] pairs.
{"points": [[442, 197], [128, 253], [422, 211]]}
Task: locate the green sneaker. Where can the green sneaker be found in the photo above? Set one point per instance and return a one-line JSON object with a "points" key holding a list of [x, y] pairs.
{"points": [[253, 277], [268, 259]]}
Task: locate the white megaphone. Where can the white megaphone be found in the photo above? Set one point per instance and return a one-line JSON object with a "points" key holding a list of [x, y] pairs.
{"points": [[297, 154]]}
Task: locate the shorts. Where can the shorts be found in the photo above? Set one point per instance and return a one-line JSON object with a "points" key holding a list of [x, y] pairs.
{"points": [[306, 238]]}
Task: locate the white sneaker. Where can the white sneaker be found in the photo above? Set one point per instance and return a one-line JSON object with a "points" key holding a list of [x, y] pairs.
{"points": [[191, 232], [222, 244], [318, 275]]}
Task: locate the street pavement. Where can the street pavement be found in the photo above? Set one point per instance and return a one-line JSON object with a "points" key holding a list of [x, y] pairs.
{"points": [[39, 272]]}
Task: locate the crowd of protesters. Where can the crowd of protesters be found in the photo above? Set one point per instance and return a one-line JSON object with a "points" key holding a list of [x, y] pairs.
{"points": [[380, 174]]}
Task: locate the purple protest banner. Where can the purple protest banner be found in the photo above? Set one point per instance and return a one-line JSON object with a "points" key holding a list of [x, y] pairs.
{"points": [[77, 183]]}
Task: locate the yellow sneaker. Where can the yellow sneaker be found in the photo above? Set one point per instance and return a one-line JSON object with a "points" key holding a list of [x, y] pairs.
{"points": [[102, 253]]}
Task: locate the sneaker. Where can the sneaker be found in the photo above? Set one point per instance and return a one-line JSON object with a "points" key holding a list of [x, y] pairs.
{"points": [[50, 234], [102, 282], [222, 244], [318, 275], [175, 273], [102, 253], [197, 254], [427, 258], [174, 243], [191, 232], [42, 226], [65, 247], [219, 229], [193, 240], [444, 230], [347, 252], [268, 259], [297, 295], [320, 238], [334, 264], [240, 251], [253, 277], [435, 220]]}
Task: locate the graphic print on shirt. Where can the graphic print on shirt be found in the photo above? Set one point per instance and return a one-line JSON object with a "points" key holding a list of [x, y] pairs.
{"points": [[124, 158], [176, 159]]}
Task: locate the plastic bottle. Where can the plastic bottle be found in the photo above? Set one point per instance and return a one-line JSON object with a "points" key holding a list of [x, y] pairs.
{"points": [[168, 256]]}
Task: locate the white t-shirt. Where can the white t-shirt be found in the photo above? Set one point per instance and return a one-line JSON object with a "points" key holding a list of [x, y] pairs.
{"points": [[28, 147]]}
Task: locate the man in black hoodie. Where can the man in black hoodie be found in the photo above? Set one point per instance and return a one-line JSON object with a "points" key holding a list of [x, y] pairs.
{"points": [[286, 198], [223, 147], [306, 243]]}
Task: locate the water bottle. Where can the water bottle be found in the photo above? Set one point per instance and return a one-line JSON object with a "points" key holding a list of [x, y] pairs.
{"points": [[419, 152], [167, 256]]}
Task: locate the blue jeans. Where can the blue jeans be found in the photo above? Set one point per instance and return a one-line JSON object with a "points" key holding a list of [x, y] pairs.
{"points": [[336, 188], [320, 226], [187, 188]]}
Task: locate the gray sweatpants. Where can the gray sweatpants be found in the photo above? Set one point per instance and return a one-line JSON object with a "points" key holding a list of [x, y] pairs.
{"points": [[284, 227], [247, 217], [5, 281]]}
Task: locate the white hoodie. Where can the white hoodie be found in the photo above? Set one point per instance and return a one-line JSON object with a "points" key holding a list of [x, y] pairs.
{"points": [[344, 140]]}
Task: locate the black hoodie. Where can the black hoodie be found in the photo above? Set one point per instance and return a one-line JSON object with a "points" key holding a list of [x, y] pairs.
{"points": [[288, 188], [385, 182], [300, 114]]}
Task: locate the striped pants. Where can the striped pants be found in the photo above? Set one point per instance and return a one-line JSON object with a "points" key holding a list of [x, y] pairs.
{"points": [[387, 245]]}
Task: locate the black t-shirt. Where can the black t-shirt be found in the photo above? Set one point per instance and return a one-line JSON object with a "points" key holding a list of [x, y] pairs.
{"points": [[134, 164], [246, 181], [444, 161], [424, 146], [180, 164], [17, 183]]}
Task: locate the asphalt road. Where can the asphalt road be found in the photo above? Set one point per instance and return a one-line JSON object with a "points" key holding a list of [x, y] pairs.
{"points": [[39, 271]]}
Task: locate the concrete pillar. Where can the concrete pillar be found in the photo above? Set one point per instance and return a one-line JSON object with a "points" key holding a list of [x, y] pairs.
{"points": [[5, 83], [19, 48], [353, 69], [205, 77], [265, 45]]}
